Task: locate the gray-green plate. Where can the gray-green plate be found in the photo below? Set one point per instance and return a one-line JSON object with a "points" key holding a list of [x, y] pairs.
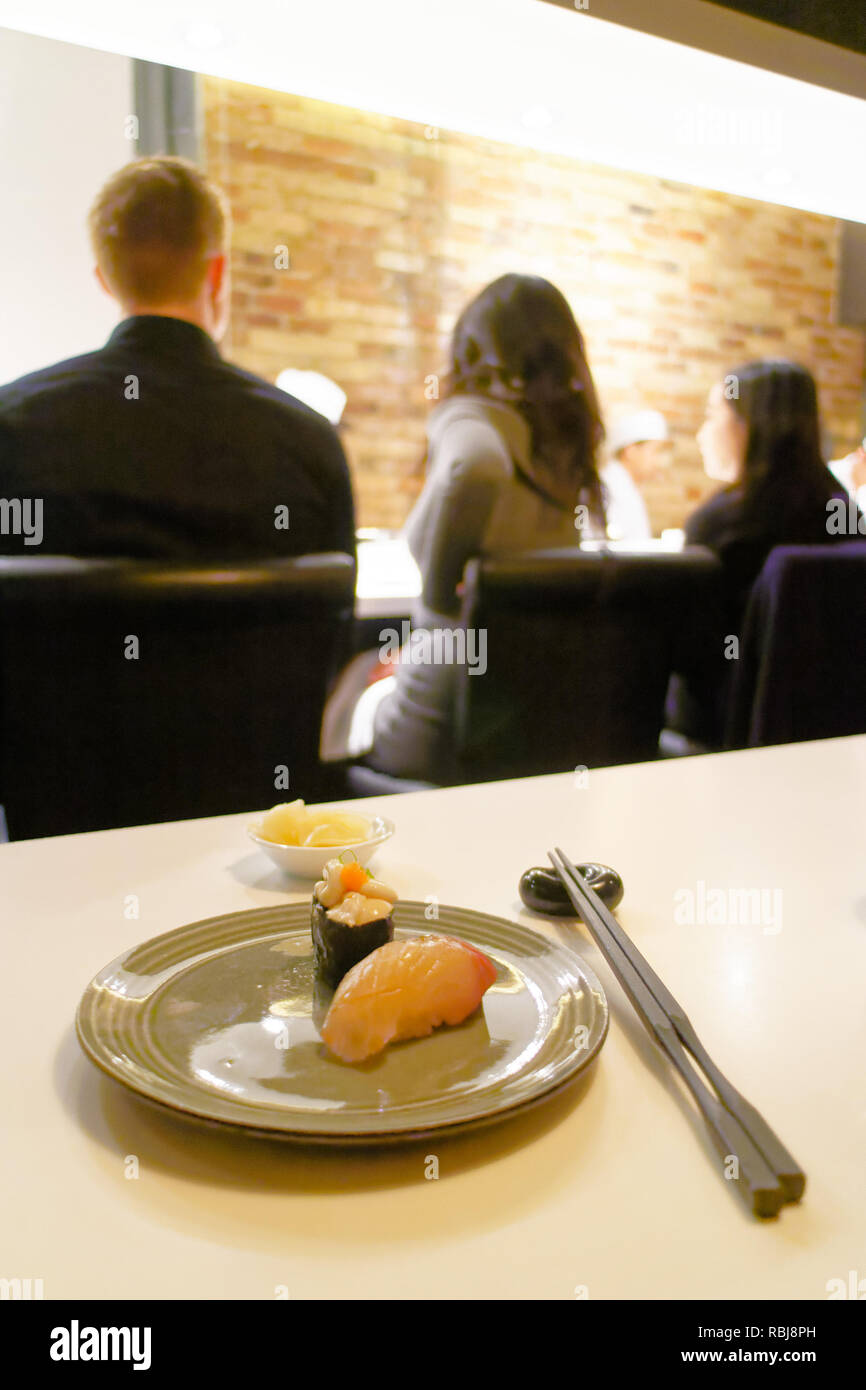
{"points": [[219, 1019]]}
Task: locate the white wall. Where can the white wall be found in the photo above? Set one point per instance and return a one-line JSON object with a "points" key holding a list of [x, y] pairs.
{"points": [[62, 112]]}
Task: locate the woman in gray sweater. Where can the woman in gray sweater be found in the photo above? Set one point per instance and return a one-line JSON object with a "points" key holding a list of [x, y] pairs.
{"points": [[511, 466]]}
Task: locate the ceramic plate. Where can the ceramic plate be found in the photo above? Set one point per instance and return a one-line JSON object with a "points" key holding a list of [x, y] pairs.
{"points": [[220, 1020]]}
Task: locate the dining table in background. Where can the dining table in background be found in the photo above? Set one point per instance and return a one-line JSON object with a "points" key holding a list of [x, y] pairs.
{"points": [[389, 580], [611, 1190]]}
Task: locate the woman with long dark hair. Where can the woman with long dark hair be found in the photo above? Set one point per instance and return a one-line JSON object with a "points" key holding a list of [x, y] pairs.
{"points": [[518, 343], [761, 438], [510, 466]]}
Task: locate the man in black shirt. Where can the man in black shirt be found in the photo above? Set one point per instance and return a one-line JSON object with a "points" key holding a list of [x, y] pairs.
{"points": [[153, 446]]}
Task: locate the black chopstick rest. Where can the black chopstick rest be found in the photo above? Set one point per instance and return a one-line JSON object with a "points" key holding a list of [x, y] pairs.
{"points": [[542, 890]]}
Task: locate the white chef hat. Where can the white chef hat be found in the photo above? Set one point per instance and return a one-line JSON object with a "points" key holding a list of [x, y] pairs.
{"points": [[315, 390], [635, 429]]}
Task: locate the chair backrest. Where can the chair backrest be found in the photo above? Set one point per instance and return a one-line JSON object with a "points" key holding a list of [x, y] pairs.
{"points": [[801, 672], [133, 692], [579, 648]]}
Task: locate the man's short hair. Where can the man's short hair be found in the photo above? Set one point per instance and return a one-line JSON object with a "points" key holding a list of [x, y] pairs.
{"points": [[154, 226]]}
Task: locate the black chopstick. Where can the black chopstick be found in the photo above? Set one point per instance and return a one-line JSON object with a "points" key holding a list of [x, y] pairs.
{"points": [[790, 1175], [765, 1170], [750, 1170]]}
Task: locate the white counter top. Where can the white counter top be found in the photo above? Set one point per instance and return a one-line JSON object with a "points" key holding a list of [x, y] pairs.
{"points": [[614, 1188]]}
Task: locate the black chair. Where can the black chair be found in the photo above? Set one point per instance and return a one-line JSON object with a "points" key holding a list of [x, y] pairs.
{"points": [[133, 692], [579, 649], [580, 646], [801, 672]]}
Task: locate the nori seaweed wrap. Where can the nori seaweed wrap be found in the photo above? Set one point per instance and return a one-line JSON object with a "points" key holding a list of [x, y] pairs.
{"points": [[362, 923]]}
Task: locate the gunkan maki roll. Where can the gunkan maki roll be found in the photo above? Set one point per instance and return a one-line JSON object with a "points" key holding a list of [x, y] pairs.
{"points": [[351, 916]]}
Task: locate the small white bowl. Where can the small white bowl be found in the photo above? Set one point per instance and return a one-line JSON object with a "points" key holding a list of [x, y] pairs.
{"points": [[308, 861]]}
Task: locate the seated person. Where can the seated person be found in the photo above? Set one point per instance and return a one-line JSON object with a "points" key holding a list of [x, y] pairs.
{"points": [[761, 439], [153, 446], [511, 466], [637, 445]]}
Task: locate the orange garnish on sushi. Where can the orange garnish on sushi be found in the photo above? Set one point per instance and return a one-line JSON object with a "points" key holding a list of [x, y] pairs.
{"points": [[353, 877]]}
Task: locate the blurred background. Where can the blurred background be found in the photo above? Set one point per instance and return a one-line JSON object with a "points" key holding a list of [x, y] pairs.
{"points": [[365, 221]]}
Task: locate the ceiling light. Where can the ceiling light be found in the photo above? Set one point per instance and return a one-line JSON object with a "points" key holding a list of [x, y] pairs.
{"points": [[201, 34], [593, 90], [537, 118]]}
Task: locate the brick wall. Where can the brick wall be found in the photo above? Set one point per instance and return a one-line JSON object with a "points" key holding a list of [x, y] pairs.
{"points": [[392, 227]]}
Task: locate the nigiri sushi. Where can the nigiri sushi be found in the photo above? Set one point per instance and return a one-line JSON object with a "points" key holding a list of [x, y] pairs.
{"points": [[351, 916], [404, 990]]}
